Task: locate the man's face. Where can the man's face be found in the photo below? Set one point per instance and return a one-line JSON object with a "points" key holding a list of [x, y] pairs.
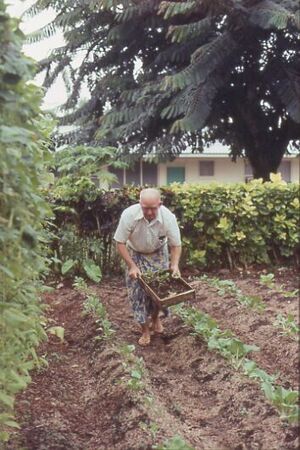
{"points": [[150, 208]]}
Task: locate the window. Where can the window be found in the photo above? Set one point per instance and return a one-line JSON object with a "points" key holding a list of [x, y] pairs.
{"points": [[207, 168], [175, 174]]}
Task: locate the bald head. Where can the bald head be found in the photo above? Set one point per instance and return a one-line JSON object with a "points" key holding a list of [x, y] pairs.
{"points": [[150, 202], [149, 194]]}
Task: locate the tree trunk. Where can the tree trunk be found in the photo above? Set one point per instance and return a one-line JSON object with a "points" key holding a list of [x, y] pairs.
{"points": [[265, 158]]}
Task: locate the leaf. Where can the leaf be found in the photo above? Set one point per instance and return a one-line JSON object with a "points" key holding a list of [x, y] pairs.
{"points": [[8, 400], [67, 266], [57, 331], [136, 374], [268, 390], [92, 270]]}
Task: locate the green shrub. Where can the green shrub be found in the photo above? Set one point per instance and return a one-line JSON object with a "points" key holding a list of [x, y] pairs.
{"points": [[222, 225], [23, 148]]}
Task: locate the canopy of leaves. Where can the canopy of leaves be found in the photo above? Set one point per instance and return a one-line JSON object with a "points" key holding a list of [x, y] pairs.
{"points": [[164, 74]]}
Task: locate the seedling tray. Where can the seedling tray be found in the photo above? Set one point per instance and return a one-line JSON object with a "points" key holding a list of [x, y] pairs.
{"points": [[188, 293]]}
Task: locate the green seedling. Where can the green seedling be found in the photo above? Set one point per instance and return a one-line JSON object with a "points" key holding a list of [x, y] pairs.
{"points": [[229, 287], [151, 428], [175, 443], [80, 285], [269, 281], [159, 276], [134, 367], [288, 325], [236, 351], [285, 400], [93, 306]]}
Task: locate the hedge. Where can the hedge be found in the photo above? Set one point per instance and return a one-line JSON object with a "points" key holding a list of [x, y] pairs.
{"points": [[232, 225], [23, 149]]}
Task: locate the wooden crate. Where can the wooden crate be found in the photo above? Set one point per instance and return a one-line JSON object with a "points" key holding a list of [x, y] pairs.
{"points": [[162, 303]]}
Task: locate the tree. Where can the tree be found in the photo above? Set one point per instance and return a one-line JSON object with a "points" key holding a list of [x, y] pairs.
{"points": [[223, 70]]}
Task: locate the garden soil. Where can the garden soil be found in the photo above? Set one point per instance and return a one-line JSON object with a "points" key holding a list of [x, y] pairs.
{"points": [[82, 401]]}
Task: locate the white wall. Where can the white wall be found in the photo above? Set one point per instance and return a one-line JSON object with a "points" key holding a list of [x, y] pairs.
{"points": [[295, 169], [226, 171]]}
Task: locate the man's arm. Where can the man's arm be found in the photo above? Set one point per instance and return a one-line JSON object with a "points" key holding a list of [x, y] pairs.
{"points": [[134, 271], [175, 257]]}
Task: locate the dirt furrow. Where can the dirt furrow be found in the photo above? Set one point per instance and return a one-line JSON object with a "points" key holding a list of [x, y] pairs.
{"points": [[278, 354], [81, 403], [215, 403]]}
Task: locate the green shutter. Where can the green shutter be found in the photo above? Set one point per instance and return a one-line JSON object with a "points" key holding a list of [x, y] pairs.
{"points": [[175, 174]]}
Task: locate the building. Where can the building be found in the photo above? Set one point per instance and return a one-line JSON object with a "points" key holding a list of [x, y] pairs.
{"points": [[213, 164]]}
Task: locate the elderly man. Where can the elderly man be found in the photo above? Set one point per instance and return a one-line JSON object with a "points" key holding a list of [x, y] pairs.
{"points": [[144, 233]]}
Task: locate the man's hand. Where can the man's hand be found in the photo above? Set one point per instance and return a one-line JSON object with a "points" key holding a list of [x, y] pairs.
{"points": [[175, 271], [134, 272]]}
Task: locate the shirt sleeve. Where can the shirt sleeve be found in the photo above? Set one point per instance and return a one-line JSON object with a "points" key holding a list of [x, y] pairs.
{"points": [[123, 230], [173, 232]]}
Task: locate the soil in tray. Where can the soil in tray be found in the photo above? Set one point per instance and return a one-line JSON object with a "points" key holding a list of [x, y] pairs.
{"points": [[164, 285]]}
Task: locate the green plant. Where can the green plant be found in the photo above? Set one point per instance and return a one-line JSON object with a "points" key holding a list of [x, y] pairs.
{"points": [[152, 428], [175, 443], [92, 305], [235, 351], [288, 325], [134, 367], [285, 400], [250, 234], [80, 285], [24, 149], [269, 281], [229, 287]]}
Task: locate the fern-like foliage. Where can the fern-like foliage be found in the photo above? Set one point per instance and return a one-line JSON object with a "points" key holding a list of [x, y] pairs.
{"points": [[166, 74]]}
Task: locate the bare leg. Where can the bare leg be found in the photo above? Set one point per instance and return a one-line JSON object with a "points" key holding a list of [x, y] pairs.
{"points": [[156, 322], [145, 338]]}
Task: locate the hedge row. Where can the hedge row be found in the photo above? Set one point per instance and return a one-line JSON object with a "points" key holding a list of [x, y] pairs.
{"points": [[222, 225], [22, 209]]}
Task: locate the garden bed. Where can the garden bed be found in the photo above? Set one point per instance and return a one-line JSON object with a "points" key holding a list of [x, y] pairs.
{"points": [[80, 401]]}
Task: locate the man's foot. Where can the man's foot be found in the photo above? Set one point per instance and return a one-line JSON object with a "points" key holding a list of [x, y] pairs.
{"points": [[145, 339], [157, 326]]}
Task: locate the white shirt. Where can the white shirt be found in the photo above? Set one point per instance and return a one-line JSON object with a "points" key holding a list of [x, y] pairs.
{"points": [[147, 237]]}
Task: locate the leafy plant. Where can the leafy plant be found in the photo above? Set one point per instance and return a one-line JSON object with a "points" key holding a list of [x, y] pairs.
{"points": [[57, 331], [92, 270], [92, 305], [252, 235], [229, 287], [134, 367], [67, 266], [288, 325], [269, 281], [235, 351], [24, 149], [285, 400]]}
